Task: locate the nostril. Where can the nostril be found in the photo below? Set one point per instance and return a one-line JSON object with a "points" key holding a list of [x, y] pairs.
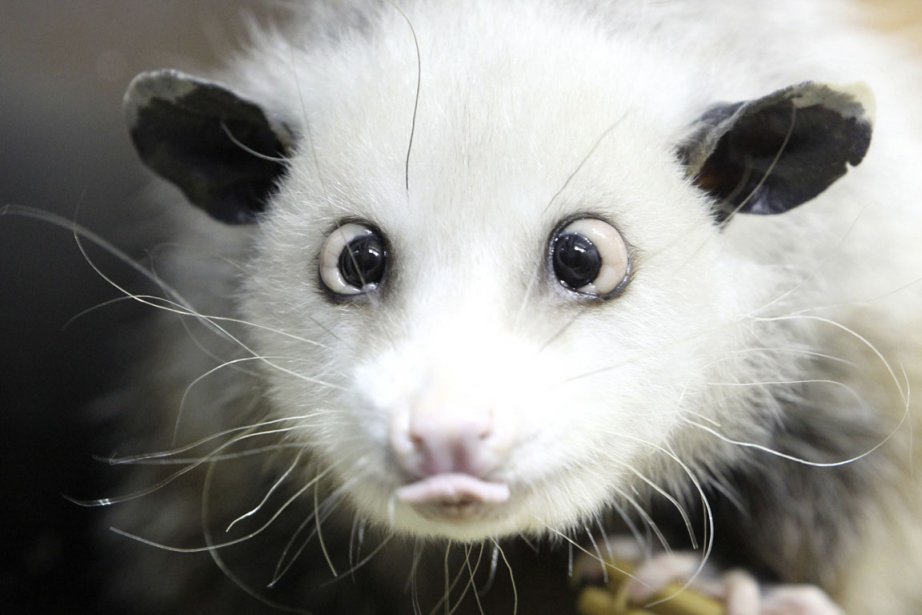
{"points": [[449, 442], [451, 425]]}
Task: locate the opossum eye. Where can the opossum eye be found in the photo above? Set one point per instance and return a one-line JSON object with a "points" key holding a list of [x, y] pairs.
{"points": [[590, 257], [353, 259]]}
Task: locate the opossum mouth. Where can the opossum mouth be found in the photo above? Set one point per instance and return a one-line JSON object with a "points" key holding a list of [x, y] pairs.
{"points": [[454, 497]]}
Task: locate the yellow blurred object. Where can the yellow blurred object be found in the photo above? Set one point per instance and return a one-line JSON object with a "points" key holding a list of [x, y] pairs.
{"points": [[613, 600]]}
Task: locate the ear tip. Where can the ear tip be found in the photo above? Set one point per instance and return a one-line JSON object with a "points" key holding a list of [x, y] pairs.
{"points": [[862, 94], [165, 83], [857, 102], [850, 100]]}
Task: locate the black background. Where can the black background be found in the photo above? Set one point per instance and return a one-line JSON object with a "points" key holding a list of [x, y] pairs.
{"points": [[63, 148]]}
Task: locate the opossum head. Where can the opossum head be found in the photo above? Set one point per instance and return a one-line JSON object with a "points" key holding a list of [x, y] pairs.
{"points": [[498, 302]]}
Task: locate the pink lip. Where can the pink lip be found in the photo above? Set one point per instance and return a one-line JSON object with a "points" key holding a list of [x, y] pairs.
{"points": [[451, 490]]}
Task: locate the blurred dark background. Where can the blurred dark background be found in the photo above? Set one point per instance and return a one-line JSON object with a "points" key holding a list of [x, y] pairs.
{"points": [[64, 149]]}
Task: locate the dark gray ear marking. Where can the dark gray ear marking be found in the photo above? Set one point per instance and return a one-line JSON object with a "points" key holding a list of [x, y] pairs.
{"points": [[221, 150], [772, 154]]}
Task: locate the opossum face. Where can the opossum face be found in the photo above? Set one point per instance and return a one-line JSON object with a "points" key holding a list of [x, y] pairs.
{"points": [[503, 323], [481, 374]]}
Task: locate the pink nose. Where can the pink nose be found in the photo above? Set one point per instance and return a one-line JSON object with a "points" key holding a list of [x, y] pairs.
{"points": [[449, 442]]}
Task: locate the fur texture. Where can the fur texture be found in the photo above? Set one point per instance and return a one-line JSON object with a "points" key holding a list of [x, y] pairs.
{"points": [[799, 333]]}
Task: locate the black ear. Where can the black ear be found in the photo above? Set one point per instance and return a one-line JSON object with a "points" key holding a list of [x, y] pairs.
{"points": [[221, 150], [772, 154]]}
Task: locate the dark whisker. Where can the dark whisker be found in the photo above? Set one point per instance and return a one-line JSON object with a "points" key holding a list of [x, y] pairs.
{"points": [[419, 73], [582, 162]]}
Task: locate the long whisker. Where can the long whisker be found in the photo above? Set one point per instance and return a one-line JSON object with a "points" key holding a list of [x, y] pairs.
{"points": [[222, 566], [598, 553], [79, 231], [647, 519], [93, 308], [491, 576], [228, 543], [419, 77], [631, 526], [182, 402], [318, 521], [278, 483], [708, 513], [470, 583], [515, 591], [250, 150], [174, 307], [557, 334], [361, 562], [691, 337], [529, 543], [356, 538], [672, 500], [532, 281], [192, 446], [792, 350], [449, 585], [570, 561], [172, 477], [860, 338], [583, 161], [319, 516], [472, 573], [411, 579], [250, 452], [579, 547], [608, 549]]}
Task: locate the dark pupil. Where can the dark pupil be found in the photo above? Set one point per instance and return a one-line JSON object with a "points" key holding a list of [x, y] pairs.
{"points": [[576, 260], [362, 261]]}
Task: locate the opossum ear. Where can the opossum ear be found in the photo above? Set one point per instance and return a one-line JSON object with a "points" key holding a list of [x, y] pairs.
{"points": [[769, 155], [220, 149]]}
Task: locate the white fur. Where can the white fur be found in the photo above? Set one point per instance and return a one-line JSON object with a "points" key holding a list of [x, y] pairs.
{"points": [[514, 96]]}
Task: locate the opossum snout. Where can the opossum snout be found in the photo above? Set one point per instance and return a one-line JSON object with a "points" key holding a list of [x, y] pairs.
{"points": [[445, 443], [448, 440]]}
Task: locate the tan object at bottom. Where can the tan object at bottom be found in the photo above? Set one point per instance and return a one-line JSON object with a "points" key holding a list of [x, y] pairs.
{"points": [[613, 600]]}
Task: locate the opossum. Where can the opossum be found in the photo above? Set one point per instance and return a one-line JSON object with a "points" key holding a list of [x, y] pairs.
{"points": [[469, 290]]}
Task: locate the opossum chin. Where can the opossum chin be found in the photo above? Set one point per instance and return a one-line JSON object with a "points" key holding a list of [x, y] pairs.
{"points": [[466, 522], [462, 523], [539, 507]]}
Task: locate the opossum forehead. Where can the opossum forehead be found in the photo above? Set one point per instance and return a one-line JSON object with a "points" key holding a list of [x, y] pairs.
{"points": [[494, 130], [511, 192]]}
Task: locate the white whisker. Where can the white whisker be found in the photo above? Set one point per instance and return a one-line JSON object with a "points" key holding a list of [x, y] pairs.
{"points": [[268, 494], [222, 566], [228, 543], [515, 591], [491, 576], [192, 446], [598, 553], [579, 547], [250, 150]]}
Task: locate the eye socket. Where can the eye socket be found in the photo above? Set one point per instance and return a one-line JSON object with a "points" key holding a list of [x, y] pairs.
{"points": [[353, 259], [589, 257]]}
